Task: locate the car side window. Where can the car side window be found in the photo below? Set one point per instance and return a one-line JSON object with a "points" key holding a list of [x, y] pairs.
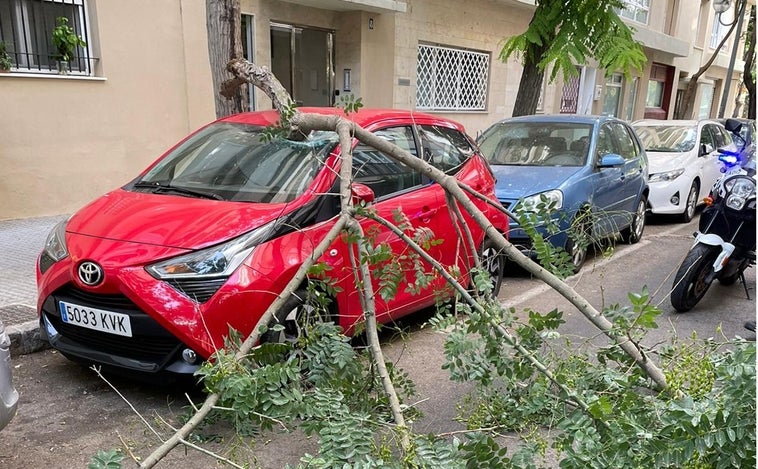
{"points": [[383, 174], [605, 144], [628, 150], [445, 149], [708, 139]]}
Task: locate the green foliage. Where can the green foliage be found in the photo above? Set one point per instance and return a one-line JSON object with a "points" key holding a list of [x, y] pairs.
{"points": [[65, 39], [349, 103], [568, 33], [110, 459]]}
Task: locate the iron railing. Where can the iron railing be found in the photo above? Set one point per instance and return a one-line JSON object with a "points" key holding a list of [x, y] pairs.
{"points": [[451, 79]]}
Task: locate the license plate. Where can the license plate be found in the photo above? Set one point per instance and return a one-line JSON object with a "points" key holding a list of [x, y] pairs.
{"points": [[96, 319]]}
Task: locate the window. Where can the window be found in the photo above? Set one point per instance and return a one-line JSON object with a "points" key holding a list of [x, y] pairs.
{"points": [[445, 149], [636, 10], [451, 79], [654, 94], [612, 97], [381, 173], [605, 144], [629, 150], [26, 26], [706, 102], [721, 24]]}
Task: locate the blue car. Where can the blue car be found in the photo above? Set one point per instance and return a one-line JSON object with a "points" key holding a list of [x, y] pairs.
{"points": [[592, 169]]}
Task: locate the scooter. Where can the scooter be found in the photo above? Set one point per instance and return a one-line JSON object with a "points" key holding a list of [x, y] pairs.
{"points": [[725, 242]]}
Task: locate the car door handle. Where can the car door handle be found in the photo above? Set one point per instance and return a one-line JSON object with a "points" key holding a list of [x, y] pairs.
{"points": [[426, 214]]}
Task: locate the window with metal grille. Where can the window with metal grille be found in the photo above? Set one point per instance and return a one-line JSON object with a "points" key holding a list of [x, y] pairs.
{"points": [[451, 79], [636, 10], [26, 27]]}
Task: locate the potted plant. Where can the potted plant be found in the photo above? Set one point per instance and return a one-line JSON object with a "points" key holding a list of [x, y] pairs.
{"points": [[6, 62], [65, 41]]}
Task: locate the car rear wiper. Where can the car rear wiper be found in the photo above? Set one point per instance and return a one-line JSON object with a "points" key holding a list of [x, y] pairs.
{"points": [[161, 187]]}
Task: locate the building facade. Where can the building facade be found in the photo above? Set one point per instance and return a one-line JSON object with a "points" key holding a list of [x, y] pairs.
{"points": [[143, 79]]}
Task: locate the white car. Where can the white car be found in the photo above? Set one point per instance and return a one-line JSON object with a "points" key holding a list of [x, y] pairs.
{"points": [[683, 160]]}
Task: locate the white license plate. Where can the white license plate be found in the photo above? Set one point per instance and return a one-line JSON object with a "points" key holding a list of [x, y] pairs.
{"points": [[96, 319]]}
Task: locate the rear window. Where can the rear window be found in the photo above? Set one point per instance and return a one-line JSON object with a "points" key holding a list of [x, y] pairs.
{"points": [[236, 162]]}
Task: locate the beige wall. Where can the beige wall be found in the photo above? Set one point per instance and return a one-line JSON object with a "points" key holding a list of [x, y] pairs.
{"points": [[486, 24], [67, 140]]}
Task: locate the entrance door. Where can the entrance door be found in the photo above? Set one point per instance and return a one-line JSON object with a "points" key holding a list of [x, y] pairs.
{"points": [[302, 60]]}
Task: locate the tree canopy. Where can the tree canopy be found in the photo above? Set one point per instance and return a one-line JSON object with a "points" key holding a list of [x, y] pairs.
{"points": [[564, 33]]}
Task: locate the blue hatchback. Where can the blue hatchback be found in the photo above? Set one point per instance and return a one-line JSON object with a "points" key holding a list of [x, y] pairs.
{"points": [[593, 170]]}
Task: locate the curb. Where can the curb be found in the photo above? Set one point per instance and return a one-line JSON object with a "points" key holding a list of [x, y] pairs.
{"points": [[25, 338]]}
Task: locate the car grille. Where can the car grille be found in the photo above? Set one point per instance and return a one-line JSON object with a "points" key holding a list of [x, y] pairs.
{"points": [[149, 341]]}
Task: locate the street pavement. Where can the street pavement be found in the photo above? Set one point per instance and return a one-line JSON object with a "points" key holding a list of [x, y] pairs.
{"points": [[21, 241]]}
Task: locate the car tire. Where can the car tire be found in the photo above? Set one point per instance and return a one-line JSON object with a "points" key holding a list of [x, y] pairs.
{"points": [[294, 314], [577, 251], [690, 204], [493, 261], [633, 233]]}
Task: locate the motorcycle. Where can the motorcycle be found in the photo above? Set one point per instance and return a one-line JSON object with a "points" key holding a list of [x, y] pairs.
{"points": [[725, 241]]}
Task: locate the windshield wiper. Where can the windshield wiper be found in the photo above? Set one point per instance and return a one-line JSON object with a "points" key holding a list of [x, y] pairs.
{"points": [[157, 186]]}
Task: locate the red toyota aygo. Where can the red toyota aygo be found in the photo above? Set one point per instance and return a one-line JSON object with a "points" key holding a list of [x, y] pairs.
{"points": [[152, 276]]}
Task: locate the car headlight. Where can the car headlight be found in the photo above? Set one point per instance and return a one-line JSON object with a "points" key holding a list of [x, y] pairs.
{"points": [[217, 261], [55, 244], [552, 199], [666, 175], [739, 190]]}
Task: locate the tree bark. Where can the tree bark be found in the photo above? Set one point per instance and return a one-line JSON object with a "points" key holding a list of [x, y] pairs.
{"points": [[224, 27], [530, 86]]}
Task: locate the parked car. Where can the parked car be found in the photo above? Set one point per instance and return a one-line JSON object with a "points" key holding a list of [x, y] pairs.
{"points": [[683, 156], [151, 276], [8, 393], [585, 165]]}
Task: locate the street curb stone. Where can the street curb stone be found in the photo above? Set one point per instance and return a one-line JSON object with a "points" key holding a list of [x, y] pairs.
{"points": [[25, 338]]}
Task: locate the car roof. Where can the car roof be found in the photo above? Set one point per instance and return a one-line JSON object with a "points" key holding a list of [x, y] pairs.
{"points": [[679, 122], [362, 117], [572, 118]]}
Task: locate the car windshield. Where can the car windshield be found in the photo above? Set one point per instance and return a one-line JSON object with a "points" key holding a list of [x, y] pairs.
{"points": [[536, 143], [668, 138], [236, 162]]}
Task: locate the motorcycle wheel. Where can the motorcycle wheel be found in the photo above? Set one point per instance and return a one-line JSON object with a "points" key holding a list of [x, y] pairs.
{"points": [[689, 282]]}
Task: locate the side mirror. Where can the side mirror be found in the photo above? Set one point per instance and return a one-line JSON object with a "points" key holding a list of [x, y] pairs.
{"points": [[610, 160], [362, 194], [706, 148]]}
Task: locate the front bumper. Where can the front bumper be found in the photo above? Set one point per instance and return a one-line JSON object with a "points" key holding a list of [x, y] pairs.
{"points": [[661, 195], [152, 349]]}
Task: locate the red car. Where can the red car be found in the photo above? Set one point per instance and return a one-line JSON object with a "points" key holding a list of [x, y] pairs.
{"points": [[151, 276]]}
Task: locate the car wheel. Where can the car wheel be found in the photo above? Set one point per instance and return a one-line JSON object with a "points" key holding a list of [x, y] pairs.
{"points": [[493, 262], [633, 233], [577, 244], [293, 316], [691, 204]]}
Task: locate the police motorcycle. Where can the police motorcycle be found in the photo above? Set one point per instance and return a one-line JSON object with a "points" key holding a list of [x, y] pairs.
{"points": [[725, 241]]}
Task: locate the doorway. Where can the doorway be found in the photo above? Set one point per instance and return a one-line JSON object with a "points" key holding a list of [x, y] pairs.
{"points": [[302, 60]]}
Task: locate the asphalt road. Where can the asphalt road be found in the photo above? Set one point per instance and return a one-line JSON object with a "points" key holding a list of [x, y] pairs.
{"points": [[67, 413]]}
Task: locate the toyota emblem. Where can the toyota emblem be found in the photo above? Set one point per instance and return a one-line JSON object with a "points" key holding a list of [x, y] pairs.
{"points": [[90, 273]]}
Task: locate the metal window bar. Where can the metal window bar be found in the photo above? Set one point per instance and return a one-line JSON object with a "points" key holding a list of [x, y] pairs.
{"points": [[26, 27], [451, 79]]}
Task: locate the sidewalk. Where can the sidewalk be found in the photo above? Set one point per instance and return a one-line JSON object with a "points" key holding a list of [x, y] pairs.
{"points": [[21, 241]]}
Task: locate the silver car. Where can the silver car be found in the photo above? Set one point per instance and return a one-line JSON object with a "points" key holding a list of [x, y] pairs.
{"points": [[8, 394]]}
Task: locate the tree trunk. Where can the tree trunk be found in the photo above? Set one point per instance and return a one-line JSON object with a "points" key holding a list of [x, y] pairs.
{"points": [[224, 24], [530, 87], [747, 74]]}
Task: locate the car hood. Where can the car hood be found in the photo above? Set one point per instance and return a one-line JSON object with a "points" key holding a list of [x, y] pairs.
{"points": [[167, 220], [514, 182], [660, 161]]}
